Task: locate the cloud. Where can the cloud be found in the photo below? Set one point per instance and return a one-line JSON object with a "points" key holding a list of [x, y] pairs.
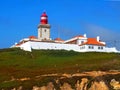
{"points": [[106, 34]]}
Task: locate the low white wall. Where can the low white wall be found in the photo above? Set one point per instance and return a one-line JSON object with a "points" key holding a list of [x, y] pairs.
{"points": [[113, 49], [55, 46], [45, 45], [28, 46]]}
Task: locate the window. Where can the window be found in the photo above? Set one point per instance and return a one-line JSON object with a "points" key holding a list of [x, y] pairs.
{"points": [[82, 47], [82, 42], [41, 33], [98, 47], [101, 47], [45, 30], [45, 39], [91, 47]]}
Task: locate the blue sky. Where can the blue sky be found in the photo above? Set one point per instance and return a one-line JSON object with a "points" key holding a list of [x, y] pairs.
{"points": [[20, 18]]}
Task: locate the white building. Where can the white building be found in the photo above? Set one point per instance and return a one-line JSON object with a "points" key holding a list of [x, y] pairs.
{"points": [[80, 43]]}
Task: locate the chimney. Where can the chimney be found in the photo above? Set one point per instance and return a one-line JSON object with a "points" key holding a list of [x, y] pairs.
{"points": [[85, 35], [98, 38]]}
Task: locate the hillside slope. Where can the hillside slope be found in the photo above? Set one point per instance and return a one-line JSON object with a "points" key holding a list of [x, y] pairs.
{"points": [[15, 63]]}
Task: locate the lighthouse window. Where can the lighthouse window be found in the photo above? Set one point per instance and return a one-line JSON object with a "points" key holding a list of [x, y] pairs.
{"points": [[45, 30], [40, 34]]}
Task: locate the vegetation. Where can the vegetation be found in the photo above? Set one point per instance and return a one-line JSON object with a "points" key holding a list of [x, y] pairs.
{"points": [[19, 64]]}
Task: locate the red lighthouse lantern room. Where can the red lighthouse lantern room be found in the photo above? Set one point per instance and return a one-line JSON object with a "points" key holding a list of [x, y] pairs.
{"points": [[44, 18]]}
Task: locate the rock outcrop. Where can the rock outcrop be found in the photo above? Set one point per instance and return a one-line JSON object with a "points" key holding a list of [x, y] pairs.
{"points": [[82, 85], [98, 86], [49, 86], [66, 86], [115, 84], [94, 80]]}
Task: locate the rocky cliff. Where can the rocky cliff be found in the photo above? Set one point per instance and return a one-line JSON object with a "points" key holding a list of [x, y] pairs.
{"points": [[95, 80]]}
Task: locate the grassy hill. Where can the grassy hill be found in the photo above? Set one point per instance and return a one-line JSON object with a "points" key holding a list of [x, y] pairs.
{"points": [[17, 63]]}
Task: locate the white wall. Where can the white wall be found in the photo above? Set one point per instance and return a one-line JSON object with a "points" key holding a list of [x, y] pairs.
{"points": [[94, 48], [44, 33], [57, 46], [79, 41], [26, 46], [112, 49]]}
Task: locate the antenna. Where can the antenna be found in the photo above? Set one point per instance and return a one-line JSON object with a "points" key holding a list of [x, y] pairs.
{"points": [[58, 29], [44, 10]]}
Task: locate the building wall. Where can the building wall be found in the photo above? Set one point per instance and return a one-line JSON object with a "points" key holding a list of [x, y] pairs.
{"points": [[81, 41], [43, 33], [55, 46], [95, 48], [72, 42], [28, 46]]}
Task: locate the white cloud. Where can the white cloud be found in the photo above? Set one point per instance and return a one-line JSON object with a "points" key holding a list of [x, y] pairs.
{"points": [[106, 34]]}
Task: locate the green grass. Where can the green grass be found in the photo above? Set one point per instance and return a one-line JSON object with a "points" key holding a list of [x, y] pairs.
{"points": [[17, 63]]}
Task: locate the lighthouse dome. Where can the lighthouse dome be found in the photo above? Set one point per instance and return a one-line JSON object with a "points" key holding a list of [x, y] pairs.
{"points": [[44, 19], [44, 14]]}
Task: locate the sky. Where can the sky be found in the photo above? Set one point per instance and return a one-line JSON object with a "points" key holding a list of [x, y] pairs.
{"points": [[19, 19]]}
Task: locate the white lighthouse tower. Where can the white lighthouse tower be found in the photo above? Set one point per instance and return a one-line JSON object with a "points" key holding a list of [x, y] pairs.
{"points": [[44, 28]]}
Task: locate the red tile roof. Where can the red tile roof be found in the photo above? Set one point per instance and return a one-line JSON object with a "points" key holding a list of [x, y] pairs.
{"points": [[93, 41], [32, 37], [78, 36], [58, 39]]}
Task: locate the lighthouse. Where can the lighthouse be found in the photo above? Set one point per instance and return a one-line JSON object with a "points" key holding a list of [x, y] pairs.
{"points": [[44, 28]]}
